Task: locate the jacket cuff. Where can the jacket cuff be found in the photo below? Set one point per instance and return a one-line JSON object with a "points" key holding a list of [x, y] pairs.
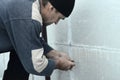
{"points": [[50, 68], [47, 48]]}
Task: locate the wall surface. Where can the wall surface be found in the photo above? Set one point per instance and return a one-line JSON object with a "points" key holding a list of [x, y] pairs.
{"points": [[3, 63], [90, 36]]}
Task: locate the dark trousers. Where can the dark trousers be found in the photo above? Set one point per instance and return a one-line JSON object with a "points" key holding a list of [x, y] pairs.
{"points": [[15, 70]]}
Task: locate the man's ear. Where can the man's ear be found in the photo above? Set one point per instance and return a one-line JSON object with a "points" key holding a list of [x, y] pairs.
{"points": [[50, 6]]}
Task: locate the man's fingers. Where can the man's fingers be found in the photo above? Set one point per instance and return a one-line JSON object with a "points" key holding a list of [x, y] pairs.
{"points": [[71, 65], [72, 60], [64, 64]]}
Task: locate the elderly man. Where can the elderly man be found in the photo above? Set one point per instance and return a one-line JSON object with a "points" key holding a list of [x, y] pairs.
{"points": [[21, 24]]}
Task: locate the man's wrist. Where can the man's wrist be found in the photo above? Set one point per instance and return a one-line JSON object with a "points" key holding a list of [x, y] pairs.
{"points": [[53, 54]]}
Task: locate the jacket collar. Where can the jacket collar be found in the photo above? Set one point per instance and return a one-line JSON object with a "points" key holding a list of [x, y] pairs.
{"points": [[36, 15]]}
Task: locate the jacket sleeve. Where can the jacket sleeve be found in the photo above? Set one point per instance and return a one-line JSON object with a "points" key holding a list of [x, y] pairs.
{"points": [[47, 48], [25, 38]]}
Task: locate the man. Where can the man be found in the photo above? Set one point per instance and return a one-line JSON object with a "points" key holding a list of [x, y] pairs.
{"points": [[21, 24]]}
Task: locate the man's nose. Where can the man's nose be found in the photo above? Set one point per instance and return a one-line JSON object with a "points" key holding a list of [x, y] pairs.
{"points": [[57, 21]]}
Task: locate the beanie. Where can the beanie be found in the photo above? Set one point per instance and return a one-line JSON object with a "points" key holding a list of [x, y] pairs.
{"points": [[63, 6]]}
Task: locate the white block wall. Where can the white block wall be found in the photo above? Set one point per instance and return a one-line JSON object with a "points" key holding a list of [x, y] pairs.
{"points": [[3, 63], [91, 37]]}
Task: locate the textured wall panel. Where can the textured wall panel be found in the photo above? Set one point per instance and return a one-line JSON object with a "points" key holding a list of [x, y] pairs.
{"points": [[57, 31], [91, 37], [3, 63], [96, 22]]}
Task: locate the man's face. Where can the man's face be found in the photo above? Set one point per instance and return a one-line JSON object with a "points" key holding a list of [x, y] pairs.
{"points": [[51, 15]]}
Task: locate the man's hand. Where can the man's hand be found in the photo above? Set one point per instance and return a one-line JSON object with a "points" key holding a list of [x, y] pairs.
{"points": [[64, 64], [62, 60], [54, 54], [61, 54]]}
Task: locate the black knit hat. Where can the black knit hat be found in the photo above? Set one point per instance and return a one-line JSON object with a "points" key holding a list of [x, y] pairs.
{"points": [[63, 6]]}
